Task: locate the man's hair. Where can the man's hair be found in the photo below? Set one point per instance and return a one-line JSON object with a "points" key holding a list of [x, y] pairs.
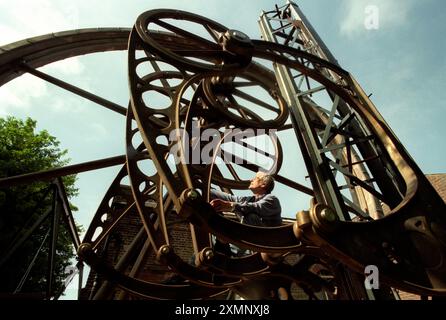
{"points": [[268, 180]]}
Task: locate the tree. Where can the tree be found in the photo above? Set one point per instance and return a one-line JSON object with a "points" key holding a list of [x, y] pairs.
{"points": [[23, 150]]}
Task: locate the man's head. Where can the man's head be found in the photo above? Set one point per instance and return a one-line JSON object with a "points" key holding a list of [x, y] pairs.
{"points": [[262, 183]]}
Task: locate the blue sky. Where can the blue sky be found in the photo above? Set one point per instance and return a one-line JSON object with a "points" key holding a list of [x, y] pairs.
{"points": [[401, 63]]}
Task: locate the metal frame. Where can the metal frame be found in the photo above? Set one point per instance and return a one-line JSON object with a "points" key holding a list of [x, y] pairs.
{"points": [[347, 140], [60, 210]]}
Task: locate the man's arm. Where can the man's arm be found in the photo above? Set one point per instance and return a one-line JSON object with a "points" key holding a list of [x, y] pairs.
{"points": [[268, 207], [215, 194]]}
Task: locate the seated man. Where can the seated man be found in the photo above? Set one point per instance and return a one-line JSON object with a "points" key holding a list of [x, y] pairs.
{"points": [[261, 209]]}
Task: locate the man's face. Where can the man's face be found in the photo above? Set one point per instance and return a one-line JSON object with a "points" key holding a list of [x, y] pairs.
{"points": [[257, 182]]}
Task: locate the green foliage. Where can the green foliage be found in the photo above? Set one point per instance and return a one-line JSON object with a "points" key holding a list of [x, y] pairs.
{"points": [[23, 150]]}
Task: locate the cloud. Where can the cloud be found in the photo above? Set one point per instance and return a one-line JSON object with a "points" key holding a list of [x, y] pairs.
{"points": [[32, 18], [96, 133], [20, 92], [23, 19], [382, 14], [70, 66], [9, 34]]}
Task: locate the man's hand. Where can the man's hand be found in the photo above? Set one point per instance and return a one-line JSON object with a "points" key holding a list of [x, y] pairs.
{"points": [[221, 205]]}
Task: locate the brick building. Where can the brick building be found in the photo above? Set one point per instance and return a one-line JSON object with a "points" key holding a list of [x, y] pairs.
{"points": [[439, 183]]}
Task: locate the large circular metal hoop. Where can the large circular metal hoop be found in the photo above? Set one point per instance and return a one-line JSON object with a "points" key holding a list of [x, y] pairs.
{"points": [[208, 50]]}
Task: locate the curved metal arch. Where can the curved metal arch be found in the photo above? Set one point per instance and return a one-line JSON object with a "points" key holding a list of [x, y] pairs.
{"points": [[42, 50]]}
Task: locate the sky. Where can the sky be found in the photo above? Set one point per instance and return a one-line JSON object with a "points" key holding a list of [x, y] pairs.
{"points": [[401, 63]]}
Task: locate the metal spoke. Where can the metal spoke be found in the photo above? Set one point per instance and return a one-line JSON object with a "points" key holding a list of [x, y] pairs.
{"points": [[187, 34], [250, 98], [80, 92]]}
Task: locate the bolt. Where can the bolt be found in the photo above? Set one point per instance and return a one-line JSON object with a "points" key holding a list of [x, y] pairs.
{"points": [[209, 254], [84, 249], [239, 45], [328, 214], [165, 250], [238, 35], [192, 195]]}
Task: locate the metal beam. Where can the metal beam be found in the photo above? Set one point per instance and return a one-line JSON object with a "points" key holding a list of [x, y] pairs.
{"points": [[76, 90], [60, 172]]}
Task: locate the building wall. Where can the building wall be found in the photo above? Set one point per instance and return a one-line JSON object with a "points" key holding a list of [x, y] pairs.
{"points": [[438, 181]]}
